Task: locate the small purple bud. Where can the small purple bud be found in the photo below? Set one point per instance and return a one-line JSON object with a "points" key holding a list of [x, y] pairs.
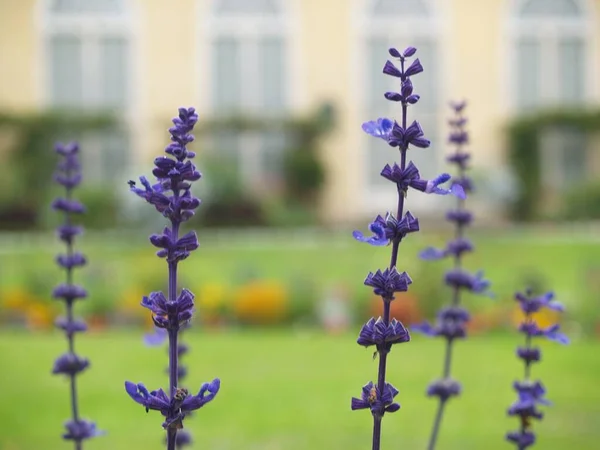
{"points": [[409, 51], [395, 53]]}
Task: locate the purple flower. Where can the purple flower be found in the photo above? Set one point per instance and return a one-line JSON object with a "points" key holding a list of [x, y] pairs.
{"points": [[67, 232], [458, 106], [533, 304], [388, 282], [376, 332], [181, 403], [407, 53], [530, 395], [70, 364], [170, 315], [405, 95], [172, 197], [413, 135], [451, 323], [459, 278], [389, 229], [459, 158], [68, 176], [410, 177], [551, 333], [381, 128], [68, 206], [454, 248], [157, 337], [69, 292], [465, 182], [80, 430], [183, 438], [75, 259], [522, 439], [529, 354], [71, 327], [174, 251], [460, 217], [444, 389], [413, 69], [459, 137], [379, 403]]}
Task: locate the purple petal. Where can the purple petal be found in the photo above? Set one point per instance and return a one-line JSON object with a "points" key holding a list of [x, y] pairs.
{"points": [[432, 254]]}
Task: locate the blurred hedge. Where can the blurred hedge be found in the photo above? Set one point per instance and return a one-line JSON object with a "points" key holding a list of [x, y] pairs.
{"points": [[524, 152], [29, 160]]}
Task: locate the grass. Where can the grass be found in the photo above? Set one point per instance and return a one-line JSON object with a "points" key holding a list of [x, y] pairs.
{"points": [[291, 391]]}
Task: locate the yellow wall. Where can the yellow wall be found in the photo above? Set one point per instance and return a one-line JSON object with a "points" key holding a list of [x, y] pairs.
{"points": [[19, 64], [327, 51], [167, 71]]}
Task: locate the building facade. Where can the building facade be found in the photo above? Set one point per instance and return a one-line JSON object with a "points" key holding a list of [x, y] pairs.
{"points": [[144, 58]]}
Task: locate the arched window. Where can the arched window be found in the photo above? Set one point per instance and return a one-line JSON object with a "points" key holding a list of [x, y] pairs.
{"points": [[550, 68], [88, 67], [399, 23], [249, 55]]}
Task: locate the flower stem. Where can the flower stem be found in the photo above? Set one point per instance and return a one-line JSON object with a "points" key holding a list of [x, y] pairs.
{"points": [[173, 332], [69, 306], [528, 346]]}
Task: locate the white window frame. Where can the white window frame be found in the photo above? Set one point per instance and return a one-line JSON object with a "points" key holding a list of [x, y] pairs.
{"points": [[373, 198], [247, 29], [90, 28], [549, 31]]}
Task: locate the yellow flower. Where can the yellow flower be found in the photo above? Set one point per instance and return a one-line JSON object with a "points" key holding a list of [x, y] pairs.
{"points": [[261, 302], [211, 296], [17, 299], [543, 318]]}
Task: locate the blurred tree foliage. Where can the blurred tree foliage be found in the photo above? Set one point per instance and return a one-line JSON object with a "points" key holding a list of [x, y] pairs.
{"points": [[29, 160], [231, 203], [524, 149]]}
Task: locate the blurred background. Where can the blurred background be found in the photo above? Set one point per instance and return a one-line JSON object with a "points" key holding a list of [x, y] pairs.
{"points": [[282, 88]]}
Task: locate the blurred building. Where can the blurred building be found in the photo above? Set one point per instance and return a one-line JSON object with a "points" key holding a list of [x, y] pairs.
{"points": [[268, 58]]}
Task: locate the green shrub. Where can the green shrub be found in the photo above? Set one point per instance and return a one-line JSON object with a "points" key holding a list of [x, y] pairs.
{"points": [[582, 202], [524, 152]]}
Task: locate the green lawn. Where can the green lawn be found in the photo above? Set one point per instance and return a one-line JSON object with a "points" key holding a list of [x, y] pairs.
{"points": [[292, 392]]}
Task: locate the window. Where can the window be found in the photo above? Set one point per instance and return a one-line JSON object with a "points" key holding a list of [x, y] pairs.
{"points": [[393, 23], [249, 42], [87, 45], [550, 40]]}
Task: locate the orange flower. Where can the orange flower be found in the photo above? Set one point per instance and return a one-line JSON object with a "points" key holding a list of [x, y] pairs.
{"points": [[261, 302]]}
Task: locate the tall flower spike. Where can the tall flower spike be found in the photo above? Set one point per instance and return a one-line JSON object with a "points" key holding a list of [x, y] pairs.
{"points": [[171, 196], [531, 393], [68, 175], [452, 320], [382, 332]]}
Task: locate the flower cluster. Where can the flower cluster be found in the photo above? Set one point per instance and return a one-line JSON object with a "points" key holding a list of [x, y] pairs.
{"points": [[531, 393], [171, 196], [382, 332], [68, 175], [452, 320]]}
